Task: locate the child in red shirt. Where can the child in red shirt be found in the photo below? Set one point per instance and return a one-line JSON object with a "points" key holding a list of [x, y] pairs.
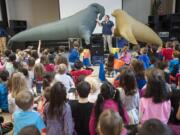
{"points": [[168, 52]]}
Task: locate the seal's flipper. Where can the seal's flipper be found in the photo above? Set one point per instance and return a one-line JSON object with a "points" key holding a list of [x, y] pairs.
{"points": [[126, 32], [116, 32], [85, 34]]}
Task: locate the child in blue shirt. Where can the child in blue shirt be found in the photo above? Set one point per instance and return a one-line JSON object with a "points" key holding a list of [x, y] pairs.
{"points": [[26, 116], [144, 58], [74, 54], [174, 62], [4, 91]]}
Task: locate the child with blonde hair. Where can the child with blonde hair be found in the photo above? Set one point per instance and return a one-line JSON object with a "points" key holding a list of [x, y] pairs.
{"points": [[95, 89], [110, 123], [62, 77], [38, 75], [26, 116], [18, 84]]}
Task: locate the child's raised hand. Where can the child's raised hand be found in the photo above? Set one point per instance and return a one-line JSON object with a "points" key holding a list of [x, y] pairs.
{"points": [[39, 42]]}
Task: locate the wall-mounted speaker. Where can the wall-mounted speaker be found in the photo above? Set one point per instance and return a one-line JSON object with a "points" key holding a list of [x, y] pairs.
{"points": [[17, 26]]}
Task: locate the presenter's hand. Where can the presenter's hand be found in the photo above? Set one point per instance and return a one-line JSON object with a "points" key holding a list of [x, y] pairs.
{"points": [[97, 21]]}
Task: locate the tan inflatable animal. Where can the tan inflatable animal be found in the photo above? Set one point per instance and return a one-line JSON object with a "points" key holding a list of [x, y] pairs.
{"points": [[133, 30]]}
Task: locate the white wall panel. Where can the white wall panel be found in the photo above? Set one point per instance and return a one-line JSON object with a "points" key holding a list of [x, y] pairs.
{"points": [[69, 7]]}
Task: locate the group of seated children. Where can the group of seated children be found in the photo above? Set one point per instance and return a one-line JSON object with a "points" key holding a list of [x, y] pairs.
{"points": [[45, 93]]}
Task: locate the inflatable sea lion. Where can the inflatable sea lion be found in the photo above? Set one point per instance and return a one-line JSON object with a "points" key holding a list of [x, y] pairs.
{"points": [[133, 30], [79, 25]]}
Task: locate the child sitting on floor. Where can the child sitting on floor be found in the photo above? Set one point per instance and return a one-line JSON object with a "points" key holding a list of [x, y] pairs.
{"points": [[126, 55], [107, 99], [163, 65], [95, 88], [4, 91], [38, 77], [26, 116], [79, 70], [109, 66], [144, 58], [31, 63], [154, 127], [155, 103], [129, 94], [110, 123], [174, 64], [44, 100], [49, 67], [86, 58], [62, 77], [57, 113], [167, 52], [74, 54], [29, 130], [139, 71], [81, 110], [18, 84]]}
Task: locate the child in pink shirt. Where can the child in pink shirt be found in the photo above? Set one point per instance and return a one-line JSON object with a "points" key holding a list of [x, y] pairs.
{"points": [[155, 103], [107, 99], [126, 56]]}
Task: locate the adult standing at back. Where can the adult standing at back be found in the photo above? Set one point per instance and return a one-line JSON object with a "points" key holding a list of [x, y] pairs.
{"points": [[107, 31]]}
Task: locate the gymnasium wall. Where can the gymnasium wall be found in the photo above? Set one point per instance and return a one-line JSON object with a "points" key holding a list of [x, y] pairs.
{"points": [[139, 9], [0, 14], [36, 12], [69, 7]]}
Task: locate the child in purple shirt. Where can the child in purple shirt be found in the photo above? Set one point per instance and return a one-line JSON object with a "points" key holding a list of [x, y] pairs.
{"points": [[57, 113]]}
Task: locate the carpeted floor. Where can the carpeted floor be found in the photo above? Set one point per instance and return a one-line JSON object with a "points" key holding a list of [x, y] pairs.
{"points": [[7, 118]]}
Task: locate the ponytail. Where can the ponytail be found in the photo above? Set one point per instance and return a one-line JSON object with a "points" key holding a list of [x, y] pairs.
{"points": [[120, 105], [99, 106], [108, 92]]}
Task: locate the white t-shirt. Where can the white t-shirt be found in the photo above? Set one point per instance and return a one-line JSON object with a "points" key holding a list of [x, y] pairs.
{"points": [[9, 67], [66, 80], [11, 104], [92, 97], [31, 78], [130, 102]]}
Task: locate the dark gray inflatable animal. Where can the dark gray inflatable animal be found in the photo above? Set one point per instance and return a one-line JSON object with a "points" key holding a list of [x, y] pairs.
{"points": [[79, 25]]}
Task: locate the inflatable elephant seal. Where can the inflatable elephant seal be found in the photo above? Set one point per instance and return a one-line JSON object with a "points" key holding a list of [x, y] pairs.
{"points": [[133, 30], [79, 25]]}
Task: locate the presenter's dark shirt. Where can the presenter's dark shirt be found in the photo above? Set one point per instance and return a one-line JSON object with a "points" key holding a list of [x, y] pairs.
{"points": [[107, 26]]}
